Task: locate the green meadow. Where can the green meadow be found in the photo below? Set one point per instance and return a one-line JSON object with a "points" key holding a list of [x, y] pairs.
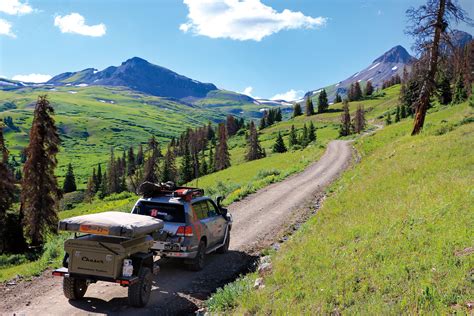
{"points": [[393, 236]]}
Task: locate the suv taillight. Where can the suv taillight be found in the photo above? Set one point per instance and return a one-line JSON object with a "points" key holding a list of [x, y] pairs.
{"points": [[184, 231]]}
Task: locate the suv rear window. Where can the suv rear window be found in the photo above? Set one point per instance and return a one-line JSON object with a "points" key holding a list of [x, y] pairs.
{"points": [[164, 211]]}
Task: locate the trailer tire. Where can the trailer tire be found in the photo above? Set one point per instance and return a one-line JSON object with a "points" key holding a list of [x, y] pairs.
{"points": [[139, 293], [73, 288]]}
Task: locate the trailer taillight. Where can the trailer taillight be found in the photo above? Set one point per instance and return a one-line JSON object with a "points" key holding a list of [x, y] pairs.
{"points": [[186, 231]]}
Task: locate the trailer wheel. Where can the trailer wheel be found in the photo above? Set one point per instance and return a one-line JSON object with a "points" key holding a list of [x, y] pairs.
{"points": [[139, 293], [73, 288]]}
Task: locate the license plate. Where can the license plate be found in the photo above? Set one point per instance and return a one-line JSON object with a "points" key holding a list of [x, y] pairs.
{"points": [[94, 229]]}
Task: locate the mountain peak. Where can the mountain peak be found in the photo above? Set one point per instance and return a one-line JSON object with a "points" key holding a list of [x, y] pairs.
{"points": [[397, 54], [135, 60]]}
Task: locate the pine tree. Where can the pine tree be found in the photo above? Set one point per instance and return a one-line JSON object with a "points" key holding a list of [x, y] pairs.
{"points": [[403, 111], [369, 89], [359, 119], [151, 164], [309, 106], [460, 93], [210, 167], [304, 137], [311, 132], [140, 156], [345, 128], [254, 150], [99, 177], [131, 162], [263, 123], [293, 137], [103, 190], [388, 119], [278, 116], [7, 189], [232, 127], [90, 190], [186, 170], [397, 115], [169, 166], [203, 168], [70, 180], [40, 193], [279, 146], [338, 98], [222, 156], [445, 95], [297, 110], [322, 101], [113, 181]]}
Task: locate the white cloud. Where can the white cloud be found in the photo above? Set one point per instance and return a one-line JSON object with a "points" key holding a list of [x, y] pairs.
{"points": [[6, 28], [242, 19], [290, 95], [15, 7], [248, 91], [75, 23], [36, 78]]}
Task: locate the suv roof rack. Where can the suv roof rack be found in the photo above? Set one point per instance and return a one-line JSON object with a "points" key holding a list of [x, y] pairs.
{"points": [[149, 189]]}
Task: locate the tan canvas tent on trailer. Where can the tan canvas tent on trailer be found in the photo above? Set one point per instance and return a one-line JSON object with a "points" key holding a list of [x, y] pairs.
{"points": [[112, 224]]}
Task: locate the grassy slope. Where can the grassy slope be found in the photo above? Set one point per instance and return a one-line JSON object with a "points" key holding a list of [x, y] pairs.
{"points": [[90, 127], [235, 182], [385, 241]]}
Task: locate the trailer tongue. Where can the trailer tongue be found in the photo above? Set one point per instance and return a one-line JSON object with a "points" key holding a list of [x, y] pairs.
{"points": [[113, 247]]}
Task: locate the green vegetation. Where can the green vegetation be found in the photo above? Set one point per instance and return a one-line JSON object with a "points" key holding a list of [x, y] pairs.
{"points": [[389, 239], [93, 119]]}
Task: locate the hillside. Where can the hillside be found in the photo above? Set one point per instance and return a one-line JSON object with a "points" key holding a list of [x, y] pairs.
{"points": [[236, 182], [393, 237], [92, 120]]}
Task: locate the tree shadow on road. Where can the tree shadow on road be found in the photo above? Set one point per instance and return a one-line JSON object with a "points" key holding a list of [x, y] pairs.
{"points": [[175, 289]]}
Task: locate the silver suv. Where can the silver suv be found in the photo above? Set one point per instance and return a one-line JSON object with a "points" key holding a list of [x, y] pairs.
{"points": [[195, 225]]}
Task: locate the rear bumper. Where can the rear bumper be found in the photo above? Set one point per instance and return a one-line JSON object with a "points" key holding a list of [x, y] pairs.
{"points": [[125, 281], [178, 254]]}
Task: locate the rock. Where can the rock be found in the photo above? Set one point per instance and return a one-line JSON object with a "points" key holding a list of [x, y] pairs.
{"points": [[264, 268], [265, 259], [258, 283]]}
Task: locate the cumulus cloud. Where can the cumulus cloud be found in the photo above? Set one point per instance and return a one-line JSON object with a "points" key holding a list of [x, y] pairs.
{"points": [[76, 24], [15, 7], [6, 28], [290, 95], [36, 78], [242, 19], [248, 91]]}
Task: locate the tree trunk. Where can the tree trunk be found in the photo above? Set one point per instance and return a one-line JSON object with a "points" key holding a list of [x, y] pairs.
{"points": [[424, 98]]}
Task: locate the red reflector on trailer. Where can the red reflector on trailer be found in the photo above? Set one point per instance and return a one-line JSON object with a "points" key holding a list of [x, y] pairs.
{"points": [[57, 273]]}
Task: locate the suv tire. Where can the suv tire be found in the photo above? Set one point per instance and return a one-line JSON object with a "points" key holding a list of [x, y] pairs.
{"points": [[225, 247], [73, 288], [139, 293], [197, 264]]}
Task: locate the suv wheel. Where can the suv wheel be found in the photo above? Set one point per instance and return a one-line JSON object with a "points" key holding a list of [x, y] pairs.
{"points": [[197, 264], [225, 247]]}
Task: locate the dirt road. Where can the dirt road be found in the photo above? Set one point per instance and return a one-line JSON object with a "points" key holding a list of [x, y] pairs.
{"points": [[257, 221]]}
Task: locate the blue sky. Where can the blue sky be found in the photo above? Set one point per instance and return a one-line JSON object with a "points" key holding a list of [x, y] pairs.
{"points": [[271, 46]]}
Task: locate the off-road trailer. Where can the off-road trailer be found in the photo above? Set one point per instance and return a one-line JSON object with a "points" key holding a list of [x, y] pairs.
{"points": [[113, 247]]}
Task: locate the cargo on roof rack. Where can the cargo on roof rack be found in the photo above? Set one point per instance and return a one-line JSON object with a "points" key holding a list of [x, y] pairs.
{"points": [[149, 189]]}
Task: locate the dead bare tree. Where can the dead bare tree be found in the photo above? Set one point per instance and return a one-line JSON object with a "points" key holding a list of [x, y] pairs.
{"points": [[428, 25]]}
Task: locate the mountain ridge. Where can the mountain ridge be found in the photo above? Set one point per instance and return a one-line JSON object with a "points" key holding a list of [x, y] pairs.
{"points": [[138, 74]]}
